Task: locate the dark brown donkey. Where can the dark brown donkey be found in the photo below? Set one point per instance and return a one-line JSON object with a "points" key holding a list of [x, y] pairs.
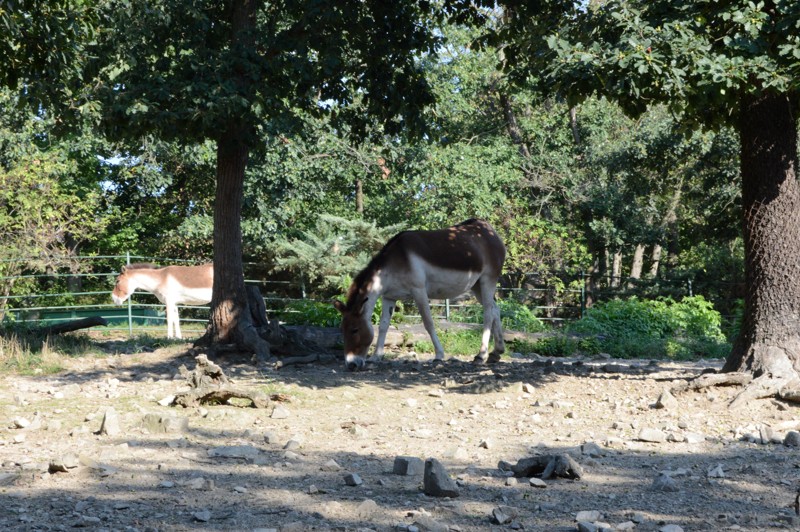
{"points": [[420, 265]]}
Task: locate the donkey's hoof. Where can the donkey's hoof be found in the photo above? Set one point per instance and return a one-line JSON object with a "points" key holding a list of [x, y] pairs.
{"points": [[479, 360], [493, 359]]}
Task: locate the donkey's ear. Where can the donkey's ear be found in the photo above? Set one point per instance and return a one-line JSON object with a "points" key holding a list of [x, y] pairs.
{"points": [[338, 305]]}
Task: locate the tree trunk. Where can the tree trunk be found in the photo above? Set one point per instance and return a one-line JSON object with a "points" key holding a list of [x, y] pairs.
{"points": [[230, 320], [656, 260], [616, 269], [769, 341], [637, 264], [359, 196]]}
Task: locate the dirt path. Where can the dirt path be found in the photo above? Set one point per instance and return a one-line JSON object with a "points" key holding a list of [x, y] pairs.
{"points": [[283, 468]]}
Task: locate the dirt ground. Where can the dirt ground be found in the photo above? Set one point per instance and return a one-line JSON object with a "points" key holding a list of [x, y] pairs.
{"points": [[693, 465]]}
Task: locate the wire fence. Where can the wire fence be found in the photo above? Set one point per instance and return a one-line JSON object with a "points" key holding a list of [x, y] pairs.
{"points": [[83, 289]]}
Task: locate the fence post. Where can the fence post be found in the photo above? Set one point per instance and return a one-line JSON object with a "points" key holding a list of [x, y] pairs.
{"points": [[583, 294], [447, 310], [690, 288], [130, 299]]}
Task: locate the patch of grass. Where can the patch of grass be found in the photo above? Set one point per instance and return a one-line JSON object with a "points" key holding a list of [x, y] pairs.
{"points": [[27, 353], [454, 342], [558, 345]]}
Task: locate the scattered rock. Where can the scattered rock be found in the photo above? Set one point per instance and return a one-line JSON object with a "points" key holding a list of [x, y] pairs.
{"points": [[110, 425], [591, 449], [664, 483], [667, 400], [537, 482], [234, 451], [408, 466], [588, 516], [652, 436], [716, 472], [436, 481], [792, 439], [503, 515], [158, 424], [352, 479], [367, 509], [280, 412], [331, 465]]}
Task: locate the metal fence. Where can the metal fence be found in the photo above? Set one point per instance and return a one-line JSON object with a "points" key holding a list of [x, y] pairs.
{"points": [[84, 290]]}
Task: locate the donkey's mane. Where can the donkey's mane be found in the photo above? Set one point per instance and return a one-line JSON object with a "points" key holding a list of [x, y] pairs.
{"points": [[141, 266], [362, 279]]}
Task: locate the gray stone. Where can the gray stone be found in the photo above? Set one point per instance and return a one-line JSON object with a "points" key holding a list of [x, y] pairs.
{"points": [[664, 483], [157, 424], [280, 412], [667, 400], [537, 482], [331, 465], [233, 451], [652, 435], [367, 509], [588, 516], [352, 479], [408, 466], [716, 472], [502, 515], [592, 449], [110, 425], [436, 481], [203, 516], [694, 437], [792, 439]]}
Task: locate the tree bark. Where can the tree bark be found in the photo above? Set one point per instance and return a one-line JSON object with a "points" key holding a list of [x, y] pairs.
{"points": [[768, 346], [655, 260], [616, 269], [230, 321], [638, 262]]}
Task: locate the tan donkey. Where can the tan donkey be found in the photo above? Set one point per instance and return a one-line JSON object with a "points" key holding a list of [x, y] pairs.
{"points": [[172, 285]]}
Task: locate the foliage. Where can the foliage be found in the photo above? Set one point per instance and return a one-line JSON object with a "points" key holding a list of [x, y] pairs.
{"points": [[454, 342], [652, 328], [308, 312], [514, 316], [337, 249]]}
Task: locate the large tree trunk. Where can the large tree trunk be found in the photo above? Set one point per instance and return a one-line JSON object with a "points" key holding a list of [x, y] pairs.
{"points": [[769, 341], [655, 260], [230, 321], [768, 346]]}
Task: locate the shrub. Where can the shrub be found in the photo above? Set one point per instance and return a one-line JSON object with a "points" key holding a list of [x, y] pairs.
{"points": [[513, 315], [655, 328]]}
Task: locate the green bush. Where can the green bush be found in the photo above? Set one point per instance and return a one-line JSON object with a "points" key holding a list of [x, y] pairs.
{"points": [[307, 312], [660, 328], [514, 316]]}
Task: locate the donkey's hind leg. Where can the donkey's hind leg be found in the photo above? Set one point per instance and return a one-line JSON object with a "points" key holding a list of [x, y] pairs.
{"points": [[484, 291]]}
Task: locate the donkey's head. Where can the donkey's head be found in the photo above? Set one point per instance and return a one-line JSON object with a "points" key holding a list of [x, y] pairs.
{"points": [[126, 282], [122, 288], [357, 331]]}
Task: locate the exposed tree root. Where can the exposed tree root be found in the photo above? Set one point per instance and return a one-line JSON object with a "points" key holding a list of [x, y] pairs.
{"points": [[783, 387], [211, 386]]}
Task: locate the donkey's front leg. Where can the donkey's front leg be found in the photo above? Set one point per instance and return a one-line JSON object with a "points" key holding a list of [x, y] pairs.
{"points": [[421, 299], [173, 327], [383, 326]]}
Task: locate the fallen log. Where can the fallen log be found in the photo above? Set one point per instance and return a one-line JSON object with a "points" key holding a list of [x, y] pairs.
{"points": [[74, 325]]}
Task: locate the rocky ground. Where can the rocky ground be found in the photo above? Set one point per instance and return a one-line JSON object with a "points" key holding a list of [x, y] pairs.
{"points": [[93, 448]]}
